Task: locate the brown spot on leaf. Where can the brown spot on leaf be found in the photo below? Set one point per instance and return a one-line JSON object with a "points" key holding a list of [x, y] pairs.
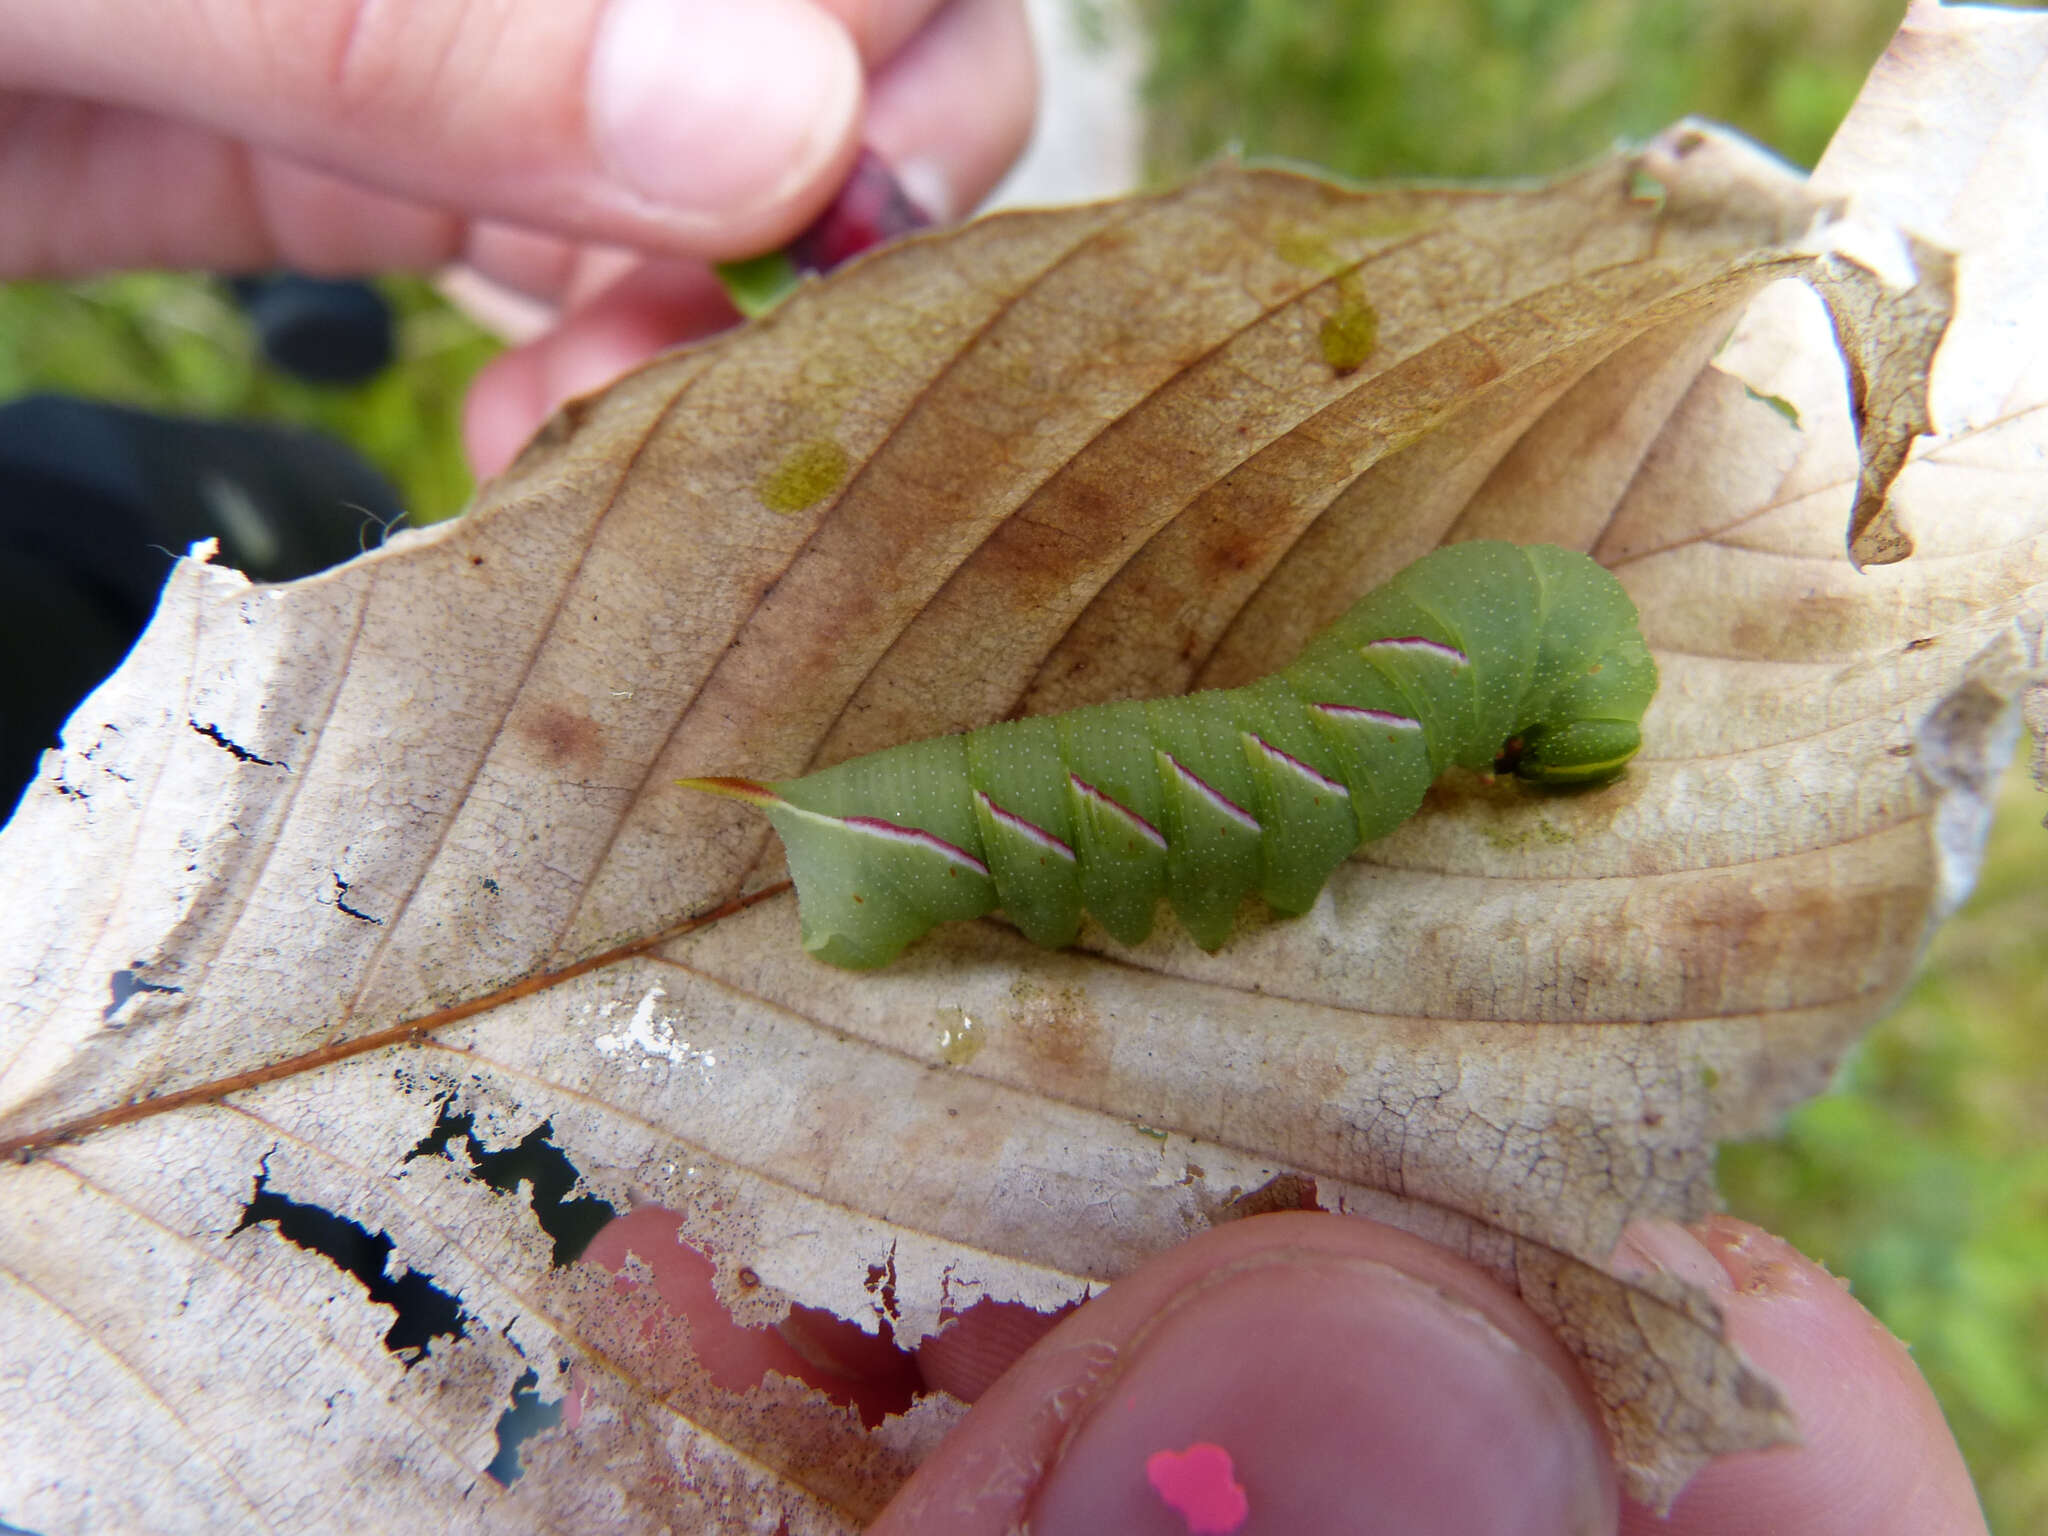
{"points": [[1235, 548], [1060, 1029], [566, 737]]}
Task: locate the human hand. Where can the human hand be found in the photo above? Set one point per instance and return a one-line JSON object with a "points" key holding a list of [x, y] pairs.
{"points": [[1362, 1380], [592, 154]]}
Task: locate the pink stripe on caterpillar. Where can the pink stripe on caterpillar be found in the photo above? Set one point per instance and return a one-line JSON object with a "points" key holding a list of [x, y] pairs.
{"points": [[1285, 760], [1030, 830], [1139, 824], [1357, 716], [889, 831], [1228, 807], [1419, 645]]}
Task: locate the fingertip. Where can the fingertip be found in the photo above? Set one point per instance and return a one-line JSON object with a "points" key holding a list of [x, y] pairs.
{"points": [[729, 121], [505, 406], [657, 306], [1875, 1457], [955, 108], [1283, 1373], [1341, 1394]]}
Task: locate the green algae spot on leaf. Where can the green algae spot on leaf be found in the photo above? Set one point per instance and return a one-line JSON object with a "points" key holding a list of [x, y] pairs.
{"points": [[1348, 336], [807, 474]]}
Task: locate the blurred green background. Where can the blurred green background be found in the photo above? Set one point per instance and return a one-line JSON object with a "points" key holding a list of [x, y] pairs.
{"points": [[1496, 87], [1924, 1179], [177, 343]]}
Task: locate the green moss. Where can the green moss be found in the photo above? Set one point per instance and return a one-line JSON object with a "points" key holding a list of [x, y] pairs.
{"points": [[1647, 189], [1778, 403], [1520, 834], [1308, 248]]}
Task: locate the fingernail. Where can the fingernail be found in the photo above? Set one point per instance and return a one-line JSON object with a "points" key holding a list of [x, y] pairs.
{"points": [[1654, 1246], [925, 182], [1327, 1394], [711, 109], [1756, 1262]]}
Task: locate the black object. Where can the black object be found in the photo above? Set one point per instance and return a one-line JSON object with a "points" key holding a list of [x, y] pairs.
{"points": [[94, 502], [324, 331]]}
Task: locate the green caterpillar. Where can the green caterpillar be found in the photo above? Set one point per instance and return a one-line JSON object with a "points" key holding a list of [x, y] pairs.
{"points": [[1485, 655]]}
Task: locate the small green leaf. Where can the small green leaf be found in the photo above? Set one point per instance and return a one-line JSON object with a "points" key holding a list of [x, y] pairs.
{"points": [[759, 283]]}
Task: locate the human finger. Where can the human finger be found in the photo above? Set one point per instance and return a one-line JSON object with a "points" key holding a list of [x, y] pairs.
{"points": [[716, 127], [952, 111], [950, 141], [542, 276], [1876, 1457], [1293, 1372], [656, 305], [645, 1248], [950, 114], [115, 187], [879, 28]]}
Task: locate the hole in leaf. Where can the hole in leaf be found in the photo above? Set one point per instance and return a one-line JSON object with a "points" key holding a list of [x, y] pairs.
{"points": [[124, 984], [865, 1371], [979, 1343], [425, 1311], [534, 1161], [527, 1417]]}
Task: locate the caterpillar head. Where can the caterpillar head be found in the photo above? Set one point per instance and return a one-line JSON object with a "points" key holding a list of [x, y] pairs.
{"points": [[1589, 728]]}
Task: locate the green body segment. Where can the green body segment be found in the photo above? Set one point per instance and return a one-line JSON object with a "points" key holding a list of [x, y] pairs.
{"points": [[1479, 649]]}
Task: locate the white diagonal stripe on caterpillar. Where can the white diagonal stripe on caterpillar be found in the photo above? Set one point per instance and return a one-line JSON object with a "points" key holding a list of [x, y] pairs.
{"points": [[1139, 824], [1216, 798], [1285, 760], [874, 826], [1418, 645], [1030, 830], [1370, 716]]}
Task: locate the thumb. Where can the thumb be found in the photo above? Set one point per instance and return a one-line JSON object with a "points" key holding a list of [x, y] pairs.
{"points": [[704, 127], [1291, 1373]]}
